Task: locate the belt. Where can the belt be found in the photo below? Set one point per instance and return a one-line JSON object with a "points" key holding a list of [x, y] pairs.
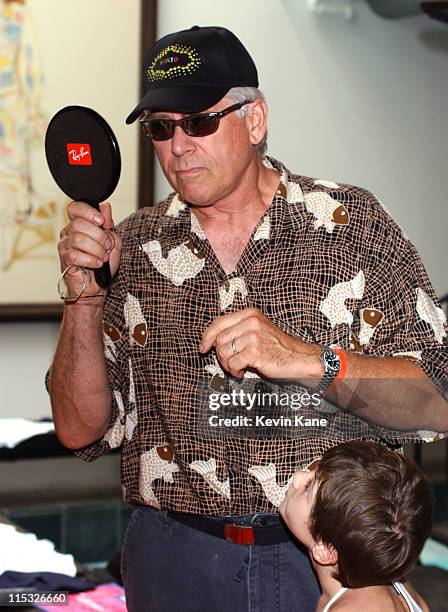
{"points": [[234, 530]]}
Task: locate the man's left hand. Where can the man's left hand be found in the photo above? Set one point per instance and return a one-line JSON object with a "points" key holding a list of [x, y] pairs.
{"points": [[248, 339]]}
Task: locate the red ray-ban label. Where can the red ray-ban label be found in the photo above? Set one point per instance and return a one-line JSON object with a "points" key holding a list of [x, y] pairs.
{"points": [[79, 154]]}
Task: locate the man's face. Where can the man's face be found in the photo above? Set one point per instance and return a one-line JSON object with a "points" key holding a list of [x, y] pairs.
{"points": [[207, 169], [297, 504]]}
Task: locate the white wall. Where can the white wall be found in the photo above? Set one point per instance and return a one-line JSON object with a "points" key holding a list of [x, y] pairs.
{"points": [[361, 102], [26, 351]]}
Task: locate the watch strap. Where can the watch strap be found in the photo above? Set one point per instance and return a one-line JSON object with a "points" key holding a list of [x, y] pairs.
{"points": [[329, 374]]}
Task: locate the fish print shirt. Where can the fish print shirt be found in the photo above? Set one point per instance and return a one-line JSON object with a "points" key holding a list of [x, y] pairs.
{"points": [[327, 264]]}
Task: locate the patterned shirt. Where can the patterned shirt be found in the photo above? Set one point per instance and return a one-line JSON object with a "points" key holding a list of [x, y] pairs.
{"points": [[326, 263]]}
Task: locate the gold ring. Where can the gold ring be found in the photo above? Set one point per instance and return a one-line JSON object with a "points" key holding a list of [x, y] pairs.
{"points": [[234, 349]]}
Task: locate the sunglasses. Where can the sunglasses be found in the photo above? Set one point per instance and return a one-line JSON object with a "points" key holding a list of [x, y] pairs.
{"points": [[202, 124]]}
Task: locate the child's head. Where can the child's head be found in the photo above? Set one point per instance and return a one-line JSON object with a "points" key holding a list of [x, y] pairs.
{"points": [[364, 509]]}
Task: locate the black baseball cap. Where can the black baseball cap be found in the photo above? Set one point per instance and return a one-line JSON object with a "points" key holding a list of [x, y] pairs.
{"points": [[191, 70]]}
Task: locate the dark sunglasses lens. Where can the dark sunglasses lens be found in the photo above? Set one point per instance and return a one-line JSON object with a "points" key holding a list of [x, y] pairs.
{"points": [[158, 129], [201, 125]]}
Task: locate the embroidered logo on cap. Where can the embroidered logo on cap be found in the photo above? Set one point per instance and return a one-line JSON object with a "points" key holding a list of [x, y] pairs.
{"points": [[79, 154], [173, 61]]}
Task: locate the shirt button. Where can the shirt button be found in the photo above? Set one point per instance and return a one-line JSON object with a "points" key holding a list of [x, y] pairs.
{"points": [[281, 190], [235, 468]]}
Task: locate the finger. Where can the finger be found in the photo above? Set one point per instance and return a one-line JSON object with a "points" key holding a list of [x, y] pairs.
{"points": [[82, 250], [238, 346], [220, 324], [237, 365], [87, 212], [106, 211], [80, 259], [82, 226], [244, 334], [115, 241]]}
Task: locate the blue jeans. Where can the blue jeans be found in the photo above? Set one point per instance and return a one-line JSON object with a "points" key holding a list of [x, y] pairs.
{"points": [[170, 567]]}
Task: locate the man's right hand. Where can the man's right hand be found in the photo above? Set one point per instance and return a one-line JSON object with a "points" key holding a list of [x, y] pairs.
{"points": [[85, 243]]}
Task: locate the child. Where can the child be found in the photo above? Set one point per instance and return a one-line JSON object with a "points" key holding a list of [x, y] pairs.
{"points": [[364, 514]]}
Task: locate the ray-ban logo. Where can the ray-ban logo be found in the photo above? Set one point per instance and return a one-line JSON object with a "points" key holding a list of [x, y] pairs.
{"points": [[79, 154]]}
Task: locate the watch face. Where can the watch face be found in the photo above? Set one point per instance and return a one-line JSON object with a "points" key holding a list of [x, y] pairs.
{"points": [[331, 361]]}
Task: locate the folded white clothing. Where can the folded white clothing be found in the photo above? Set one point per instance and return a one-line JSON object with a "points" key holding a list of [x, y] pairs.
{"points": [[14, 431], [23, 552]]}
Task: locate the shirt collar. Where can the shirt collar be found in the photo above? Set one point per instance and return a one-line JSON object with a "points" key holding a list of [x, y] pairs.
{"points": [[292, 191]]}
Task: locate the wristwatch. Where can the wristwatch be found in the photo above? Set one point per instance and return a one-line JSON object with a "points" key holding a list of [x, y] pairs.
{"points": [[332, 365]]}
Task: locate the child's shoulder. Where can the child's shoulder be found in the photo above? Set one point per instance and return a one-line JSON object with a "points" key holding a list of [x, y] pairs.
{"points": [[369, 599], [416, 596]]}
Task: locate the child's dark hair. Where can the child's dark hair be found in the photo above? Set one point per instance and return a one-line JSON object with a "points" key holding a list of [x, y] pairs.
{"points": [[374, 506]]}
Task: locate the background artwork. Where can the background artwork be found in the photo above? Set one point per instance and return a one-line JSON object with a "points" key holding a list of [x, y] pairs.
{"points": [[28, 220], [55, 53]]}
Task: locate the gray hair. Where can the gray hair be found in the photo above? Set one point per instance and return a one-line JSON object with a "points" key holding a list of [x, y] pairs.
{"points": [[240, 94]]}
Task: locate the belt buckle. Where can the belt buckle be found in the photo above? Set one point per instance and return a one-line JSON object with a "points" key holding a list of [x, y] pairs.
{"points": [[239, 534]]}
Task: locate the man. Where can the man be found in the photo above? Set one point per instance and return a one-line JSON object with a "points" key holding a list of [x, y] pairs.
{"points": [[245, 270]]}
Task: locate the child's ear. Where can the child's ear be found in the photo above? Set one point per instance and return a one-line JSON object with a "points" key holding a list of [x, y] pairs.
{"points": [[324, 554]]}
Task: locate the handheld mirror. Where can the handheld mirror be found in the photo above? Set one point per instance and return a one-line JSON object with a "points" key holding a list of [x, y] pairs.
{"points": [[84, 160]]}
